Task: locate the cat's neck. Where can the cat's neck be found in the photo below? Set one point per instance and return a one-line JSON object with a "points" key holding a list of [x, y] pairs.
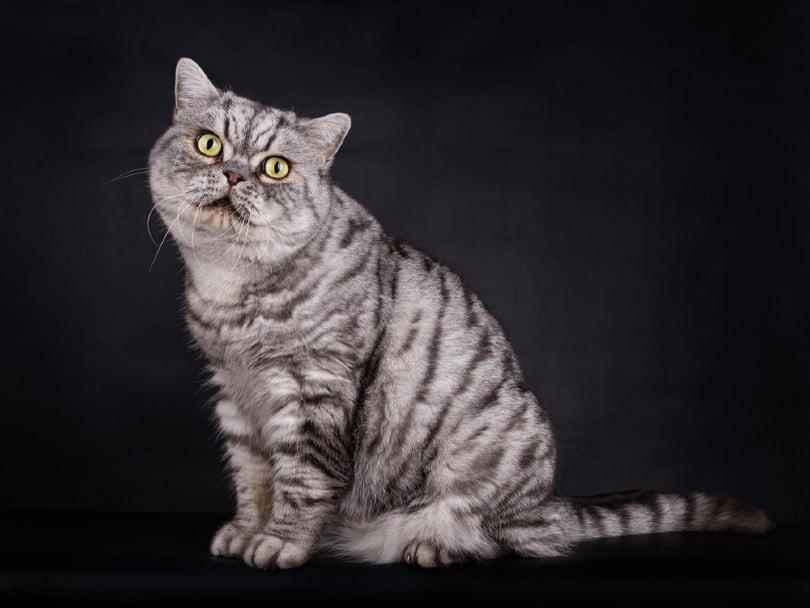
{"points": [[218, 283], [225, 280]]}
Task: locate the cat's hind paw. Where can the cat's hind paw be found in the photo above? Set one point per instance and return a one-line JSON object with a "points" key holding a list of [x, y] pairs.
{"points": [[269, 552], [427, 555], [230, 541]]}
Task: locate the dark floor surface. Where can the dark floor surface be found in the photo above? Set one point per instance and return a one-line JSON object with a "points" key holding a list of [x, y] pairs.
{"points": [[119, 558]]}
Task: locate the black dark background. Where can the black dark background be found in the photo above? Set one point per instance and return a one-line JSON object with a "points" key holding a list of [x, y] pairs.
{"points": [[624, 184]]}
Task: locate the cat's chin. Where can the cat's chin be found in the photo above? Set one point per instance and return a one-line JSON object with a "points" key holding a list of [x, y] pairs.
{"points": [[225, 205]]}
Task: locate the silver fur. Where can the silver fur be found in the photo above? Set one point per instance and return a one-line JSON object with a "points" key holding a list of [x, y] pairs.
{"points": [[367, 399]]}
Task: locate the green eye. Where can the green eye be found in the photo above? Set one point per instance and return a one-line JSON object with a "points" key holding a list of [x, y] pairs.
{"points": [[209, 144], [276, 167]]}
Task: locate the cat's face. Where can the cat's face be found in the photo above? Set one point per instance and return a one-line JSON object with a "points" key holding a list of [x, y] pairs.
{"points": [[236, 180]]}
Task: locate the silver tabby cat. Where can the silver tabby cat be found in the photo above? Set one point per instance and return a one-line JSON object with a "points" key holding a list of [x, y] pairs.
{"points": [[368, 400]]}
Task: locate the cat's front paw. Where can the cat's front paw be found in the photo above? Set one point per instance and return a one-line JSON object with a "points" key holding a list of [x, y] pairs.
{"points": [[230, 540], [267, 552], [427, 555]]}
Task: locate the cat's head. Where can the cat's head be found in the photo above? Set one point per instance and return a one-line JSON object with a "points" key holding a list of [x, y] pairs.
{"points": [[237, 180]]}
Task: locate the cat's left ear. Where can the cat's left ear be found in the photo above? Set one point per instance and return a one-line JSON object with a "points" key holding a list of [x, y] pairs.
{"points": [[327, 134], [191, 85]]}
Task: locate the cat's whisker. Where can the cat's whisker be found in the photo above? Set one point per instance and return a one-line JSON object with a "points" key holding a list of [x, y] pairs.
{"points": [[246, 227], [153, 209], [236, 239], [149, 226], [193, 225], [168, 230], [243, 226], [167, 198], [244, 243], [234, 243], [130, 173]]}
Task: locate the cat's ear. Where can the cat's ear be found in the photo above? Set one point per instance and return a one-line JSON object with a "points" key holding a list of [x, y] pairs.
{"points": [[191, 85], [327, 134]]}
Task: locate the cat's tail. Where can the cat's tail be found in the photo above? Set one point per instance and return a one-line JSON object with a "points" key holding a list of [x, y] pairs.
{"points": [[647, 512]]}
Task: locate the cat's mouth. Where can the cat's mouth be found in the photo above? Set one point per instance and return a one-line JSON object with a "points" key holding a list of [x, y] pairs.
{"points": [[222, 203], [226, 205]]}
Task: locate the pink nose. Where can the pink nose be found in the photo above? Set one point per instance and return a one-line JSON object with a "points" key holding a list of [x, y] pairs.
{"points": [[233, 177]]}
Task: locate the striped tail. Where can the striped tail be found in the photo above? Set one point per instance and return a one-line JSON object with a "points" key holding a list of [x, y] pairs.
{"points": [[646, 512]]}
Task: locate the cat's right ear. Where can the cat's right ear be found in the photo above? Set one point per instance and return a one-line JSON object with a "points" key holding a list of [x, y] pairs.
{"points": [[191, 85]]}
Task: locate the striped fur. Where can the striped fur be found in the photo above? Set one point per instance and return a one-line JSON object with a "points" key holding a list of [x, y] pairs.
{"points": [[368, 400]]}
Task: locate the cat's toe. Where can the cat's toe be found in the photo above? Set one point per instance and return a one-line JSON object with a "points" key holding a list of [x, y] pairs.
{"points": [[267, 552], [427, 555], [446, 558], [229, 541]]}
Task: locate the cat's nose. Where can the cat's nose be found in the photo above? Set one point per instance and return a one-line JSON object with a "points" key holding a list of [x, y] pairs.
{"points": [[233, 177]]}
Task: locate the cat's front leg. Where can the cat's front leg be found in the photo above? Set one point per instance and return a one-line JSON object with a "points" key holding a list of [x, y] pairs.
{"points": [[250, 475], [308, 444]]}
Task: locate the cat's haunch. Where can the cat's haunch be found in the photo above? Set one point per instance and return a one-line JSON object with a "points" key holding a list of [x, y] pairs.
{"points": [[368, 401]]}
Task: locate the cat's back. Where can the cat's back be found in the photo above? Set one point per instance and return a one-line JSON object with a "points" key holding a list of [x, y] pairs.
{"points": [[436, 314]]}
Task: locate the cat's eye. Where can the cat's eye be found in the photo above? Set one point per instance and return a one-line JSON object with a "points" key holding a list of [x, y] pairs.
{"points": [[209, 144], [275, 167]]}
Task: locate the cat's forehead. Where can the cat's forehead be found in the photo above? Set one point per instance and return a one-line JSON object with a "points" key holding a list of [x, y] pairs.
{"points": [[249, 125]]}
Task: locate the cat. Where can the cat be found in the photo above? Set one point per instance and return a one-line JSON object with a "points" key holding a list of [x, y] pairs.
{"points": [[369, 402]]}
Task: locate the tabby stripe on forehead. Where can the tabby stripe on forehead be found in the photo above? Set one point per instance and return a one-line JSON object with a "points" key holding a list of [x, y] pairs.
{"points": [[264, 132], [226, 106], [248, 127], [281, 122]]}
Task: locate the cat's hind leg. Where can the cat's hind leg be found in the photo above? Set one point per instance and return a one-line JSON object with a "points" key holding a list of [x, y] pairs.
{"points": [[440, 532]]}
